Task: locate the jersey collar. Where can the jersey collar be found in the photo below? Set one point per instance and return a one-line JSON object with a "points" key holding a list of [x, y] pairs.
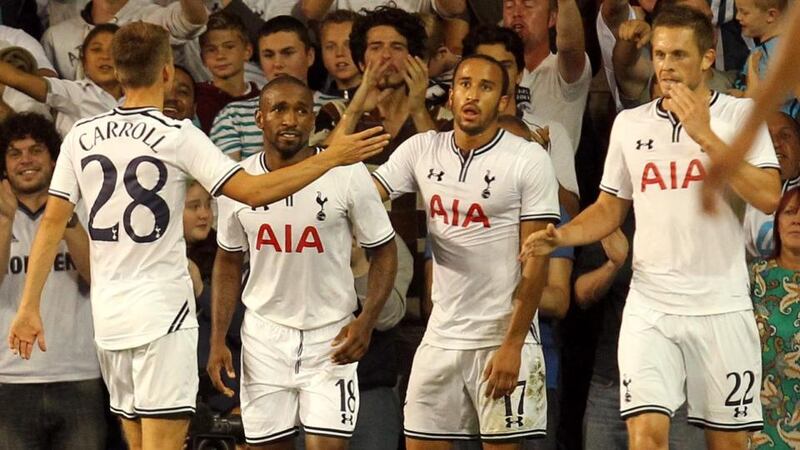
{"points": [[664, 114], [480, 150]]}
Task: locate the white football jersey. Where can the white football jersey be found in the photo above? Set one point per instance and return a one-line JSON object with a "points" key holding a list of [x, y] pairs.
{"points": [[130, 166], [684, 261], [474, 206], [299, 247], [66, 313]]}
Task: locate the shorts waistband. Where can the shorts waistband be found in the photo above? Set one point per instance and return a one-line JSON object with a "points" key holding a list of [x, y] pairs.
{"points": [[254, 322]]}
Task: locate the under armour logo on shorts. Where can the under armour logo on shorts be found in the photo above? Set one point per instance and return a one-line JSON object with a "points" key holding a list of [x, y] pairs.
{"points": [[347, 419], [511, 421], [740, 411]]}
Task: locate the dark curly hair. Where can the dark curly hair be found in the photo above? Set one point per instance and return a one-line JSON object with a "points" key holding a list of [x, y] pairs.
{"points": [[407, 25], [495, 34], [23, 125]]}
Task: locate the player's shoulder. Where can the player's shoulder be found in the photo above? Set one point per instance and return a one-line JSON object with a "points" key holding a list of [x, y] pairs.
{"points": [[638, 113], [722, 104], [254, 164], [515, 149]]}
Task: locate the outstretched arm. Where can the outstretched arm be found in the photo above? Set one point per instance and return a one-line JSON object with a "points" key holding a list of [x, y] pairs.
{"points": [[756, 186], [783, 76], [26, 329], [34, 86], [273, 186]]}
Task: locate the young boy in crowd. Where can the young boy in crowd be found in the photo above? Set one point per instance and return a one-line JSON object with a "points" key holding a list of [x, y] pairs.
{"points": [[762, 21], [225, 49], [334, 32]]}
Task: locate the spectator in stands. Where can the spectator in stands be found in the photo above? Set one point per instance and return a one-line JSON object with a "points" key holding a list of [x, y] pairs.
{"points": [[224, 48], [555, 86], [201, 246], [284, 48], [316, 9], [334, 31], [75, 100], [507, 48], [762, 21], [18, 38], [603, 272], [12, 100], [54, 400], [184, 20], [388, 45], [179, 101], [612, 14], [774, 285], [441, 61], [379, 423], [758, 227], [633, 66]]}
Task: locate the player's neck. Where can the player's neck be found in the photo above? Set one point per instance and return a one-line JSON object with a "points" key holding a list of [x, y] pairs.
{"points": [[275, 161], [151, 96], [468, 142], [35, 201], [701, 89], [511, 106]]}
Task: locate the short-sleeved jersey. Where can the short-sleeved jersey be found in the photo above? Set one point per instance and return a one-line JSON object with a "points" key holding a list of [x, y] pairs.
{"points": [[474, 205], [130, 167], [66, 313], [299, 247], [684, 261]]}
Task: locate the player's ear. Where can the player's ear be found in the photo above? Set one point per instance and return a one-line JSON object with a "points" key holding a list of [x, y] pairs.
{"points": [[503, 103], [450, 99], [708, 59], [259, 119]]}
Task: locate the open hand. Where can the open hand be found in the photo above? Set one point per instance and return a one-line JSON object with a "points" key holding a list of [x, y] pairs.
{"points": [[541, 243], [25, 331], [352, 148]]}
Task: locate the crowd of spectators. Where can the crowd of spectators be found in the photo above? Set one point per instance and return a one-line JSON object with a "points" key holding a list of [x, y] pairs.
{"points": [[374, 62]]}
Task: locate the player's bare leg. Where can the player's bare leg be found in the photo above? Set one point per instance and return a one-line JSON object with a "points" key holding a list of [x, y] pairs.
{"points": [[726, 440], [648, 431], [316, 442], [285, 444], [164, 434], [419, 444], [511, 445], [133, 433]]}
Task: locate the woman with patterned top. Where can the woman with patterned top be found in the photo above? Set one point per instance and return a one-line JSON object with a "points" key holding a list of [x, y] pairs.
{"points": [[775, 290]]}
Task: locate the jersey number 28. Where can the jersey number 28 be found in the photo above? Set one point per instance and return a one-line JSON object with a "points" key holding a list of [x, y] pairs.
{"points": [[141, 196]]}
